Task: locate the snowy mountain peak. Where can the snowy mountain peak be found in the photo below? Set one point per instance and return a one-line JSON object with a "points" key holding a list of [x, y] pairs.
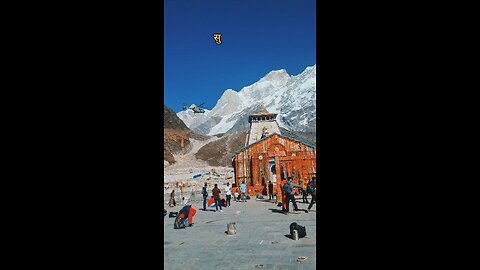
{"points": [[307, 71], [276, 75], [229, 92], [293, 98]]}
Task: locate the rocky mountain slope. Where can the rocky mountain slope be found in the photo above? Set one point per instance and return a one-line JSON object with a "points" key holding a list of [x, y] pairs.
{"points": [[219, 152], [293, 98], [173, 130]]}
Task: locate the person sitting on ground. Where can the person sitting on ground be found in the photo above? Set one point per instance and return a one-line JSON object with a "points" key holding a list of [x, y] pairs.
{"points": [[211, 202], [185, 217], [172, 202]]}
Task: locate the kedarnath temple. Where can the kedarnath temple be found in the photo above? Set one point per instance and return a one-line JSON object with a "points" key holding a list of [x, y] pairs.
{"points": [[270, 156]]}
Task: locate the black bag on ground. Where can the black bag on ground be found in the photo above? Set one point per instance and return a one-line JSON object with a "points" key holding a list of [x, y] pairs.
{"points": [[301, 230], [172, 214]]}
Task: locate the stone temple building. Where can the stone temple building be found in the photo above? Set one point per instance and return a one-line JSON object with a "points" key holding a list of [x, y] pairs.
{"points": [[269, 155]]}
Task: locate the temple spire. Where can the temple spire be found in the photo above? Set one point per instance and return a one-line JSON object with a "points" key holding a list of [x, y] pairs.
{"points": [[262, 109]]}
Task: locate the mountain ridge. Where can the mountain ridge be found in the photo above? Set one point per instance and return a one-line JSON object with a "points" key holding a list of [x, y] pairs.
{"points": [[292, 97]]}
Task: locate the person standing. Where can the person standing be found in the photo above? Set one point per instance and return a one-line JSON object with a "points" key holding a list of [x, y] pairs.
{"points": [[282, 195], [205, 197], [270, 190], [304, 191], [172, 202], [288, 189], [228, 191], [192, 196], [216, 196], [313, 192], [243, 190], [181, 188]]}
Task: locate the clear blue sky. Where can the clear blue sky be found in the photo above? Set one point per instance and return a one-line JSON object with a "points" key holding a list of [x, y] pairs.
{"points": [[258, 36]]}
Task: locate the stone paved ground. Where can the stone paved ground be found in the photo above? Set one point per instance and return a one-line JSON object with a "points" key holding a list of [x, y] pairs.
{"points": [[207, 246]]}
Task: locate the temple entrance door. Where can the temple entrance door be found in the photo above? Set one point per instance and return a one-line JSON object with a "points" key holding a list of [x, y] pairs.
{"points": [[273, 176]]}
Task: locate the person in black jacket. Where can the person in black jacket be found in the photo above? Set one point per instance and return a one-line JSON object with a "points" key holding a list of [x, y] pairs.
{"points": [[270, 190], [288, 189], [205, 197]]}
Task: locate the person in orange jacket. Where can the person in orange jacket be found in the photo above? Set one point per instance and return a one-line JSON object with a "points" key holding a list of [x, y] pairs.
{"points": [[278, 195], [284, 196]]}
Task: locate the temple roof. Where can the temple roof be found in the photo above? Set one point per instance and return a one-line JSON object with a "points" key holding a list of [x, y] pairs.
{"points": [[281, 135]]}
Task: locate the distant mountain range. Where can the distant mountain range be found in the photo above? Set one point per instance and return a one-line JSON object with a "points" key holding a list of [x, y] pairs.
{"points": [[293, 98]]}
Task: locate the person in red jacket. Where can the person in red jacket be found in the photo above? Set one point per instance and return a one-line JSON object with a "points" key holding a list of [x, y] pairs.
{"points": [[211, 202], [216, 195]]}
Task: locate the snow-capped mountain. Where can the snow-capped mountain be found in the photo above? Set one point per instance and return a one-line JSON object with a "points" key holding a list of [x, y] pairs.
{"points": [[293, 98], [191, 119]]}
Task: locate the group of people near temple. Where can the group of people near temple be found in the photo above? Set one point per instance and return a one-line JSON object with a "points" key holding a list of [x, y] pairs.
{"points": [[284, 195]]}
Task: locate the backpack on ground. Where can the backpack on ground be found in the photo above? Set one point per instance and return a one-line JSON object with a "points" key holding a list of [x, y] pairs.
{"points": [[300, 229]]}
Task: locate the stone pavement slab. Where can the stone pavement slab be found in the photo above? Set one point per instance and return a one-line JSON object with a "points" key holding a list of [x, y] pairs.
{"points": [[258, 223]]}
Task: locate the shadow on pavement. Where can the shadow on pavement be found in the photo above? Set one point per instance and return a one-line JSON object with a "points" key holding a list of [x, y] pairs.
{"points": [[266, 201], [276, 211]]}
